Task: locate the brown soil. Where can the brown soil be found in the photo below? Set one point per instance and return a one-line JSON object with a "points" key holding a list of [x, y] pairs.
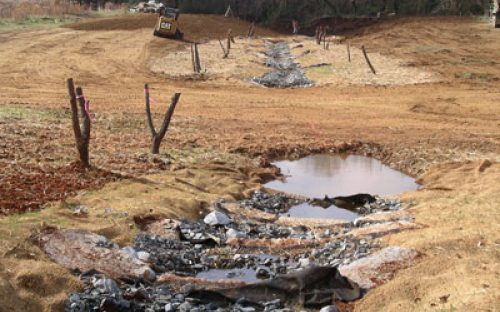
{"points": [[441, 129]]}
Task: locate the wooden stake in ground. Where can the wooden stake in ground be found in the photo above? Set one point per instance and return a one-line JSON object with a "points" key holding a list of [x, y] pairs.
{"points": [[82, 134], [228, 48], [368, 60], [348, 52], [195, 58], [251, 30], [230, 36], [225, 53], [157, 137]]}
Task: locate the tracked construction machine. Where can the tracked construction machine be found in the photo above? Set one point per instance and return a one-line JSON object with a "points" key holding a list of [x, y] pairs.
{"points": [[167, 25]]}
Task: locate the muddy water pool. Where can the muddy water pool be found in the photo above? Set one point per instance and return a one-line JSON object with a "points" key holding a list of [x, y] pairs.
{"points": [[337, 175]]}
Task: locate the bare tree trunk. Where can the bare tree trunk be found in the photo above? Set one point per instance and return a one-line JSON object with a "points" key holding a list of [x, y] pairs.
{"points": [[157, 137], [82, 136], [368, 60]]}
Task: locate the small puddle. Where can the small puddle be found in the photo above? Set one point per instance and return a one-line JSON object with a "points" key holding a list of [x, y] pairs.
{"points": [[246, 275], [306, 210], [334, 175]]}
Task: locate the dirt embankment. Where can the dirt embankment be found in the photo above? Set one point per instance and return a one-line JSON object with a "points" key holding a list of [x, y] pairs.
{"points": [[410, 127], [195, 27]]}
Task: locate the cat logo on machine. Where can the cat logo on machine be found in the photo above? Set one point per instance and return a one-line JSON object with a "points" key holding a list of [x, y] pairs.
{"points": [[166, 25]]}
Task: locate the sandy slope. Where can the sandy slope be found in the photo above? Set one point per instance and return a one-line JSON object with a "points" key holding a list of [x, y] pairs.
{"points": [[410, 127]]}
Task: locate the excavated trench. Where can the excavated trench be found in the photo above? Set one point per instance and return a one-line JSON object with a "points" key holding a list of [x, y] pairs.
{"points": [[286, 72], [247, 255]]}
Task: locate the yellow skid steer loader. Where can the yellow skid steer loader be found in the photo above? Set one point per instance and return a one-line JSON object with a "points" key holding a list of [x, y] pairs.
{"points": [[167, 25]]}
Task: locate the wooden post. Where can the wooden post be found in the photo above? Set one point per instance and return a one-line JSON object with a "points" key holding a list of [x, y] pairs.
{"points": [[82, 136], [251, 30], [224, 53], [348, 52], [228, 48], [195, 58], [230, 36], [157, 137], [368, 60]]}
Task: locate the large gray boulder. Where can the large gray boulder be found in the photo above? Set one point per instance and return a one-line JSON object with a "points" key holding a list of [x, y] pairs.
{"points": [[217, 218]]}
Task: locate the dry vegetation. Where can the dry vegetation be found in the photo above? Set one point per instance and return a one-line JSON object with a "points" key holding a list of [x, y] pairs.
{"points": [[23, 9]]}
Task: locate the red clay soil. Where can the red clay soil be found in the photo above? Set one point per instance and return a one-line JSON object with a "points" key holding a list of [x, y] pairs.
{"points": [[408, 127]]}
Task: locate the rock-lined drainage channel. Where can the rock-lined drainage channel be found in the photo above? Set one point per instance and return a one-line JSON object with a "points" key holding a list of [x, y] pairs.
{"points": [[240, 257], [286, 72], [332, 180]]}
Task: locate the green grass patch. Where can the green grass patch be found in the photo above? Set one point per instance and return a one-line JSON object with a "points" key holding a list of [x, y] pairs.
{"points": [[29, 113], [14, 224], [35, 22], [432, 49], [476, 77], [108, 13], [320, 70]]}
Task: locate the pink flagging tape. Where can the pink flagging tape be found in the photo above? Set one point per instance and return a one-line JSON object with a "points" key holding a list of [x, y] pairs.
{"points": [[151, 99], [315, 127], [87, 110]]}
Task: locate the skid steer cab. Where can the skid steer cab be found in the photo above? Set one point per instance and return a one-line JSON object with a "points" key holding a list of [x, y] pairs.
{"points": [[167, 25]]}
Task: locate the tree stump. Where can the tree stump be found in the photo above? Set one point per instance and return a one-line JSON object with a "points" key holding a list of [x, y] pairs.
{"points": [[157, 137], [82, 133]]}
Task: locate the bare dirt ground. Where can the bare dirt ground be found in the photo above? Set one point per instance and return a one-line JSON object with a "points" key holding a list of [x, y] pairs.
{"points": [[442, 129]]}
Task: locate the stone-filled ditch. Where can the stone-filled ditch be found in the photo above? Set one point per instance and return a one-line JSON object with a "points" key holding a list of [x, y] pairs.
{"points": [[286, 72], [242, 256]]}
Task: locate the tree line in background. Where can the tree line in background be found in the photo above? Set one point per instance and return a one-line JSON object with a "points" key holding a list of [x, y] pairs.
{"points": [[270, 11]]}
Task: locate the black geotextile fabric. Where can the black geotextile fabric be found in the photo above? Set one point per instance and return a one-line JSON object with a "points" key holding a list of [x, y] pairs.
{"points": [[311, 287]]}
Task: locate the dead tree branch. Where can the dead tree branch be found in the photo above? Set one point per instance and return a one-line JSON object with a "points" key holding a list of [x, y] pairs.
{"points": [[82, 132], [157, 137]]}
